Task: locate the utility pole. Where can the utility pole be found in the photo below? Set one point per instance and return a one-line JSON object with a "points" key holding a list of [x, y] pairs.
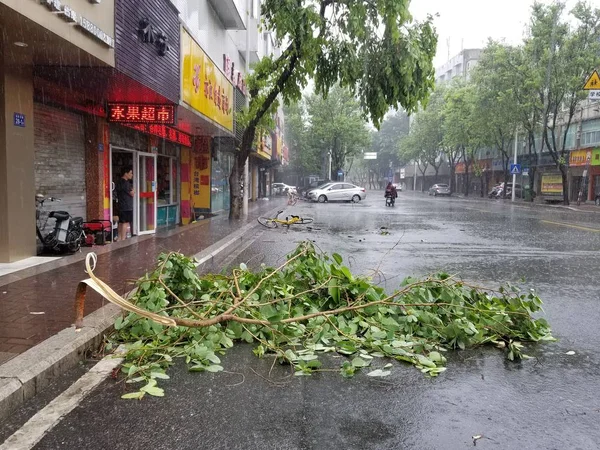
{"points": [[514, 189], [247, 64]]}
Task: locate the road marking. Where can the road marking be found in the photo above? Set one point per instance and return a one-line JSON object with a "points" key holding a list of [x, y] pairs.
{"points": [[47, 418], [595, 230]]}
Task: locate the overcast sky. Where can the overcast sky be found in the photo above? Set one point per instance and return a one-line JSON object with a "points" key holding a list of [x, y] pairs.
{"points": [[469, 23]]}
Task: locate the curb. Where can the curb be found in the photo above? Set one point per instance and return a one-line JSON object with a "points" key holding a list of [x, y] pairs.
{"points": [[24, 376]]}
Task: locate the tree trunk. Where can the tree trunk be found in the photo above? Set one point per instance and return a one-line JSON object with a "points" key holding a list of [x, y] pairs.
{"points": [[452, 177], [466, 179], [235, 191], [563, 172]]}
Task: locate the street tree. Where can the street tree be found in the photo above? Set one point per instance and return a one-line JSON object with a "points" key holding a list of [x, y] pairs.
{"points": [[337, 128], [496, 111], [373, 48], [425, 143], [305, 159], [385, 142], [563, 51], [463, 131]]}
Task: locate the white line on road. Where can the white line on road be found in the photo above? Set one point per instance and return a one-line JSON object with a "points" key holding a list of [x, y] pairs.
{"points": [[44, 420]]}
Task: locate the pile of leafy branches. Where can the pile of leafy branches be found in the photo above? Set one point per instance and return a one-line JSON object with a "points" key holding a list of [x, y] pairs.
{"points": [[313, 304]]}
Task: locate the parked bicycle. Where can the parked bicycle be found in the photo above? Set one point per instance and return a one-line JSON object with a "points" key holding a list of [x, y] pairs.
{"points": [[67, 235], [273, 222]]}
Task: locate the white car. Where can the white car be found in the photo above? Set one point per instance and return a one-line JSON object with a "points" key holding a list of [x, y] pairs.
{"points": [[338, 192]]}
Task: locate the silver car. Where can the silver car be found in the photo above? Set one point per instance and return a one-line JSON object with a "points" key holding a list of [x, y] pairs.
{"points": [[439, 189], [338, 192]]}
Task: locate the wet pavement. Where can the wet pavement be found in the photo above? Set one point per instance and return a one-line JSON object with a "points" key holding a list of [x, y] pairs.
{"points": [[36, 307], [548, 402]]}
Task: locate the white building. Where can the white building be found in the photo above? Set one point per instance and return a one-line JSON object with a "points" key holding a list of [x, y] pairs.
{"points": [[459, 66]]}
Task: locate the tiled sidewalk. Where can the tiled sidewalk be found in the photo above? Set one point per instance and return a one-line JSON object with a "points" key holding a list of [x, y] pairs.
{"points": [[39, 306]]}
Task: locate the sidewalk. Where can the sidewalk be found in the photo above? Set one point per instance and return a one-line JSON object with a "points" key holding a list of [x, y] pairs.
{"points": [[38, 303]]}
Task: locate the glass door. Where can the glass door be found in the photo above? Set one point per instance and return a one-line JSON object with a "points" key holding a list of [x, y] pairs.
{"points": [[146, 193]]}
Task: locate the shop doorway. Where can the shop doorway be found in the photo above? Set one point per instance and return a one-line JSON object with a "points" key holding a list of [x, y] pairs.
{"points": [[144, 181]]}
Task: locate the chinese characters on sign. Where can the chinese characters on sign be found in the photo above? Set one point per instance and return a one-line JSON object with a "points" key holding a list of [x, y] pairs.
{"points": [[19, 120], [594, 95], [69, 15], [163, 131], [235, 76], [204, 87], [579, 157], [141, 113]]}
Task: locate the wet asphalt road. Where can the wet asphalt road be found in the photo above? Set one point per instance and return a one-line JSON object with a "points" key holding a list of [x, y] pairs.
{"points": [[549, 402]]}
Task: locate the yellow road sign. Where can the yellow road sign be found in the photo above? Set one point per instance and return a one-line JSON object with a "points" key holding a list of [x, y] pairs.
{"points": [[593, 82]]}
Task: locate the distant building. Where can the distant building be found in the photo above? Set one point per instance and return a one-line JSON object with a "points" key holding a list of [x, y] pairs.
{"points": [[459, 66]]}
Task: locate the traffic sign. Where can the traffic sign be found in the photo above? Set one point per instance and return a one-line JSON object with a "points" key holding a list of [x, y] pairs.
{"points": [[515, 169], [594, 95], [525, 170], [593, 82]]}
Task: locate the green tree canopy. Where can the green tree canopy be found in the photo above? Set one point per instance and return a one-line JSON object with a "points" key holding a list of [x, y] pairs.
{"points": [[372, 47]]}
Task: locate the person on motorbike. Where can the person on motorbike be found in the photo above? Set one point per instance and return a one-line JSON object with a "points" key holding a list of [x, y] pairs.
{"points": [[390, 191]]}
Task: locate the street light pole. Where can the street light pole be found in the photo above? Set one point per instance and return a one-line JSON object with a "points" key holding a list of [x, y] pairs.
{"points": [[514, 189]]}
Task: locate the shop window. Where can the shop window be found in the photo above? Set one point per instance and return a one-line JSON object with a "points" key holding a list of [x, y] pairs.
{"points": [[166, 173]]}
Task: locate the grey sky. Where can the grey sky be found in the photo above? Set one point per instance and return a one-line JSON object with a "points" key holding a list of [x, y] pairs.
{"points": [[469, 23]]}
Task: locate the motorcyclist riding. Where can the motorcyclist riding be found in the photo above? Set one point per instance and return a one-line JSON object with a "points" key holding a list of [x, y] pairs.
{"points": [[391, 193]]}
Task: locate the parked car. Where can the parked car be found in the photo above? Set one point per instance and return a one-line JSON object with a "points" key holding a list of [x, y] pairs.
{"points": [[439, 189], [314, 185], [303, 190], [398, 187], [338, 192], [280, 188]]}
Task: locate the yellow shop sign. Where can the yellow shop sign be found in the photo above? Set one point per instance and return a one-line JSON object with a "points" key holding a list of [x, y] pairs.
{"points": [[204, 87]]}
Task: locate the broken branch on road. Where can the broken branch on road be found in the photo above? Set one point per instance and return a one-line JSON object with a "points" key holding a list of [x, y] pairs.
{"points": [[310, 305]]}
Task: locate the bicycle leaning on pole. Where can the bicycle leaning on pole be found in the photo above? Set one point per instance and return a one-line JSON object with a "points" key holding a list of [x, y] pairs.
{"points": [[273, 222]]}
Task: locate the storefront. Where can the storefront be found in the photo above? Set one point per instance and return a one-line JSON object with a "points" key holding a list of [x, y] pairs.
{"points": [[207, 110], [155, 161], [578, 173], [44, 146], [60, 157]]}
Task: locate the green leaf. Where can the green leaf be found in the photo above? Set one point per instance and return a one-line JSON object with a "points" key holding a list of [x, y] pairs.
{"points": [[134, 395], [214, 368], [337, 257], [359, 362], [162, 376], [155, 391], [379, 373]]}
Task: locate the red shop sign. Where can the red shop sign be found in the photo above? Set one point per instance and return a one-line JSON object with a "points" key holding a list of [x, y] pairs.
{"points": [[141, 113], [163, 131]]}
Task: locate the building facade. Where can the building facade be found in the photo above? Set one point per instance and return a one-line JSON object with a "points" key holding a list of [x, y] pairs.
{"points": [[90, 89], [459, 66]]}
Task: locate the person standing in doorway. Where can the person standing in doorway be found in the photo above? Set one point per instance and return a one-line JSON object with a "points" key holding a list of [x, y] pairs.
{"points": [[125, 194]]}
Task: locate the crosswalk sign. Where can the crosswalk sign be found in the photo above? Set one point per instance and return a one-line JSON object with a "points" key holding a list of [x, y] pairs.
{"points": [[593, 82], [515, 169]]}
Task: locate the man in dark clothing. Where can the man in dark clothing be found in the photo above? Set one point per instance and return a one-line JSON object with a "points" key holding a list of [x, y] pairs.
{"points": [[125, 194]]}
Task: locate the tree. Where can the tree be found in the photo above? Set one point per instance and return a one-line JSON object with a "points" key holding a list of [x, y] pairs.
{"points": [[497, 112], [563, 53], [371, 47], [304, 158], [425, 143], [385, 142], [464, 131], [337, 127]]}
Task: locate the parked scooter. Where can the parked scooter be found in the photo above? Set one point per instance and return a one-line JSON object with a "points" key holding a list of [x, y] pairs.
{"points": [[496, 191], [66, 236]]}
